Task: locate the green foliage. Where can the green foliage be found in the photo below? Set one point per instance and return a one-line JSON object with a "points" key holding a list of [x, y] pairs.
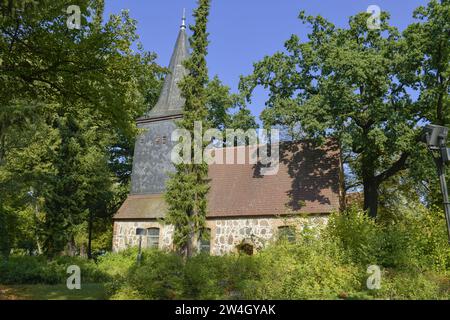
{"points": [[305, 270], [222, 105], [284, 271], [159, 276], [412, 253], [205, 277], [117, 265], [187, 188], [69, 99], [360, 236], [37, 269], [413, 286], [415, 241], [359, 85], [26, 269]]}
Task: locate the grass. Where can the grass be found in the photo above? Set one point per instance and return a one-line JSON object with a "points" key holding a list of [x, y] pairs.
{"points": [[90, 291]]}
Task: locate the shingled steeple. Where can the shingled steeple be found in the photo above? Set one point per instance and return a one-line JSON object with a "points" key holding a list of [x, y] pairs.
{"points": [[152, 160], [170, 102]]}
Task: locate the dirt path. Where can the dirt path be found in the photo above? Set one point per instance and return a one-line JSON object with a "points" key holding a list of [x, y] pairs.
{"points": [[7, 293]]}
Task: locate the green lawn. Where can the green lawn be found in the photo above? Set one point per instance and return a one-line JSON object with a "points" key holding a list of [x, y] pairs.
{"points": [[91, 291]]}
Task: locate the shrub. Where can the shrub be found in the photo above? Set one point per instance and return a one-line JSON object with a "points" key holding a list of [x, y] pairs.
{"points": [[159, 276], [415, 240], [310, 269], [413, 286], [359, 236], [117, 264], [90, 273], [411, 250], [29, 270], [206, 277], [37, 269]]}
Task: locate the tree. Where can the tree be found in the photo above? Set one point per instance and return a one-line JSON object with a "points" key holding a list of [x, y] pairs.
{"points": [[227, 110], [187, 188], [355, 84], [69, 99], [41, 58], [428, 43]]}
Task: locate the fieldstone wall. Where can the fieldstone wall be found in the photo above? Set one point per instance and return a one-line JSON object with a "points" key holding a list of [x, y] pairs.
{"points": [[125, 234], [226, 233]]}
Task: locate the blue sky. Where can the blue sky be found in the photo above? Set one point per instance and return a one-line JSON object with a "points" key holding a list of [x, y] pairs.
{"points": [[244, 31]]}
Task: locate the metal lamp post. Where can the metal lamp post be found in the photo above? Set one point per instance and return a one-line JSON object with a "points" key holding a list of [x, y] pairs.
{"points": [[140, 232], [436, 138]]}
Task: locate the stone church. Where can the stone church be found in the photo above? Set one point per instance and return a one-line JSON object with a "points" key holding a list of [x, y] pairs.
{"points": [[243, 205]]}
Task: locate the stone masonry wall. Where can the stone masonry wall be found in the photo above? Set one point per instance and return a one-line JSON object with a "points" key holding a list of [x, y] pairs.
{"points": [[226, 233], [124, 235]]}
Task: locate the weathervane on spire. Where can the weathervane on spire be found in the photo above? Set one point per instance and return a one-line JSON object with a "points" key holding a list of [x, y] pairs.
{"points": [[183, 20]]}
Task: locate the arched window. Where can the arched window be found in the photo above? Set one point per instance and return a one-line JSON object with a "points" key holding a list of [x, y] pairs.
{"points": [[246, 246], [287, 233], [205, 241], [153, 237]]}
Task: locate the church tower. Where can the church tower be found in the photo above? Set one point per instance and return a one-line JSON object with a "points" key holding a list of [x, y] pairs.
{"points": [[153, 147]]}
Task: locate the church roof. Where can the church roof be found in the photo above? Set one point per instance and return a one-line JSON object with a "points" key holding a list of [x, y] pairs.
{"points": [[170, 101], [307, 182], [150, 206]]}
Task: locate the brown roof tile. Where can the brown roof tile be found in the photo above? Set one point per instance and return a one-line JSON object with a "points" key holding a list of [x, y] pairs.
{"points": [[150, 206], [307, 182]]}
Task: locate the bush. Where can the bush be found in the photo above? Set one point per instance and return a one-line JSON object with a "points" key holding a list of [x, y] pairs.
{"points": [[37, 269], [207, 277], [359, 236], [311, 269], [159, 276], [29, 270], [420, 239], [90, 273], [117, 264], [416, 240], [413, 286], [411, 250]]}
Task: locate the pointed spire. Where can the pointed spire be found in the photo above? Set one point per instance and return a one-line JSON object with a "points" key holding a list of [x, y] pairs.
{"points": [[170, 101], [183, 20]]}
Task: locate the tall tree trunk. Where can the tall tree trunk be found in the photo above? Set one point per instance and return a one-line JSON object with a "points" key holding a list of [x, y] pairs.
{"points": [[90, 225], [342, 190], [191, 245], [71, 247], [371, 182], [371, 196]]}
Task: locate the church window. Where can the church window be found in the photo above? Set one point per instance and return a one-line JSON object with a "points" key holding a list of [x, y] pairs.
{"points": [[287, 233], [158, 140], [246, 246], [153, 237], [164, 140], [205, 241]]}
